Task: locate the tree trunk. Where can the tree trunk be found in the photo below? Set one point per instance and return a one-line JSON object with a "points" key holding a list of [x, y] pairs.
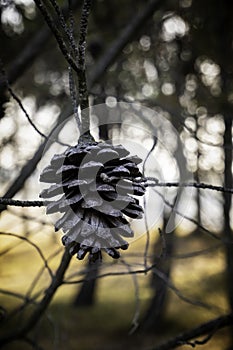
{"points": [[154, 315], [86, 295]]}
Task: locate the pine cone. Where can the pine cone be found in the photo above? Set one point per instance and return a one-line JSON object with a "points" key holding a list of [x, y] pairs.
{"points": [[95, 182]]}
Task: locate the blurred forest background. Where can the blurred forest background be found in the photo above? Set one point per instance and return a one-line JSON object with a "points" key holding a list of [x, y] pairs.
{"points": [[175, 57]]}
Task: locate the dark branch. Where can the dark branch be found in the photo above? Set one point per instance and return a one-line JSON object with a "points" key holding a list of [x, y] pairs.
{"points": [[17, 99], [31, 51], [82, 80], [20, 203], [209, 328], [83, 93], [200, 185], [57, 35], [160, 275]]}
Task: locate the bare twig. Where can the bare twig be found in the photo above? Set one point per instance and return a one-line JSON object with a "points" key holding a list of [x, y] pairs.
{"points": [[82, 80], [28, 300], [78, 67], [71, 30], [83, 93], [200, 185], [144, 203], [33, 48], [61, 18], [29, 218], [209, 328], [35, 246], [61, 43], [159, 274], [37, 203], [17, 99], [30, 166], [14, 294], [211, 234], [21, 203], [73, 95], [72, 85]]}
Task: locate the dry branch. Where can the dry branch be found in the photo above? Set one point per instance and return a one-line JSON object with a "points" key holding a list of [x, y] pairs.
{"points": [[185, 338]]}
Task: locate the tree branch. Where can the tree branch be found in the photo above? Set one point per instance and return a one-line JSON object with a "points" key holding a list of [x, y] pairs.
{"points": [[200, 185], [20, 203], [37, 203], [210, 328], [57, 35], [82, 81], [19, 102], [32, 49]]}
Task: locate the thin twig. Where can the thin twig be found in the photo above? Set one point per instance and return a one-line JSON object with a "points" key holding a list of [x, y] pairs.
{"points": [[73, 95], [39, 274], [211, 234], [61, 43], [200, 185], [209, 327], [33, 48], [82, 80], [72, 85], [61, 18], [37, 203], [29, 218], [17, 99], [30, 166], [159, 274], [71, 31], [21, 203], [14, 294], [27, 240], [144, 204]]}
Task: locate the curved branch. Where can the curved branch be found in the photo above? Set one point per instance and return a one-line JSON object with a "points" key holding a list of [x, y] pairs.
{"points": [[209, 328], [33, 245]]}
